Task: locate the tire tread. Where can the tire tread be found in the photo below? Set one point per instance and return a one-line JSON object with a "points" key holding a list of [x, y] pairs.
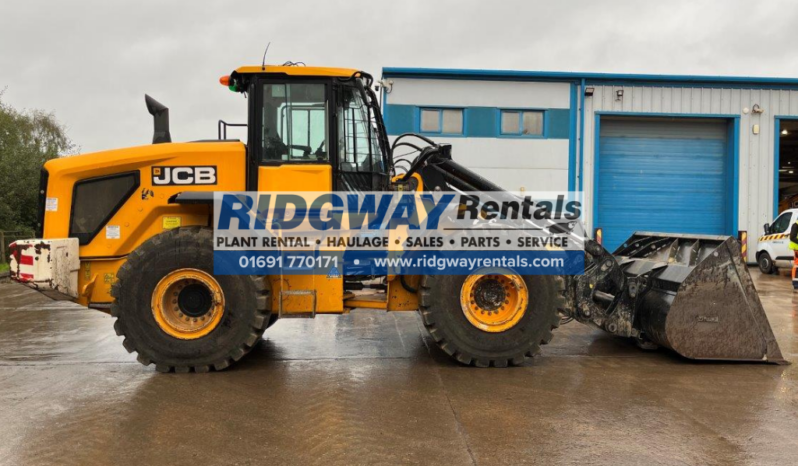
{"points": [[441, 338], [198, 236]]}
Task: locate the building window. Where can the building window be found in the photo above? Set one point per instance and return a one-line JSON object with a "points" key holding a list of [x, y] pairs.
{"points": [[431, 121], [442, 121], [522, 122]]}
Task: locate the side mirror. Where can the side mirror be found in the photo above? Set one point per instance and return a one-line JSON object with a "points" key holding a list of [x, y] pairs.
{"points": [[767, 228]]}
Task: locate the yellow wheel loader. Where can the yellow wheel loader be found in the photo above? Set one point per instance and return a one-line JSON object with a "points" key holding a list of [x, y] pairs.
{"points": [[130, 232]]}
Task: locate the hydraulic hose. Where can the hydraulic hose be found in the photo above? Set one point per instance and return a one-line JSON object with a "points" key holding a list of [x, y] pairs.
{"points": [[405, 285]]}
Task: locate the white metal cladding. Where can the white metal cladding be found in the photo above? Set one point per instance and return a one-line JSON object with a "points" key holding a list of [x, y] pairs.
{"points": [[467, 93], [756, 152], [512, 163]]}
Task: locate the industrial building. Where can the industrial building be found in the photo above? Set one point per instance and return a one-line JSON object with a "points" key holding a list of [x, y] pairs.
{"points": [[687, 154]]}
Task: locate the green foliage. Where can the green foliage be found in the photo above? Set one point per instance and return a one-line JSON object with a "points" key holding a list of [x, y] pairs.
{"points": [[27, 140]]}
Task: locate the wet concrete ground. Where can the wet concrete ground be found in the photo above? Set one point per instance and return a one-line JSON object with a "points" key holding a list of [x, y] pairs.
{"points": [[371, 388]]}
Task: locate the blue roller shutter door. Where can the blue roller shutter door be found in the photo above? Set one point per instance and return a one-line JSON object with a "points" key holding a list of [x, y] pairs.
{"points": [[662, 175]]}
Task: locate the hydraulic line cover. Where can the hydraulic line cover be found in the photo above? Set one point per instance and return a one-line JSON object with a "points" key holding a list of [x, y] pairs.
{"points": [[699, 299]]}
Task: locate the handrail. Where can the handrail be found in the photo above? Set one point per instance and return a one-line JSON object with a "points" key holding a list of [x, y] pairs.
{"points": [[222, 128]]}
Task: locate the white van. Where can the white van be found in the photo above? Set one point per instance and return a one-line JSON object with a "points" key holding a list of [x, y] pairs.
{"points": [[774, 250]]}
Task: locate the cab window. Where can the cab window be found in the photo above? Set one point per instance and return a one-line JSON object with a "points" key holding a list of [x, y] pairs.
{"points": [[294, 123], [781, 224], [357, 142]]}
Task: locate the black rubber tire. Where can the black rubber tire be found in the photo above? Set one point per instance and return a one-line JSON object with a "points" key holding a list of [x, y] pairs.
{"points": [[272, 320], [439, 304], [765, 263], [246, 312]]}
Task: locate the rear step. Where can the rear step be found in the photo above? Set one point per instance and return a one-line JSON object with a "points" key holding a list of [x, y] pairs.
{"points": [[690, 293], [282, 313]]}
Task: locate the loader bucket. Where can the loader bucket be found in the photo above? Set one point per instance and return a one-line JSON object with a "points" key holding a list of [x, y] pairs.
{"points": [[700, 300]]}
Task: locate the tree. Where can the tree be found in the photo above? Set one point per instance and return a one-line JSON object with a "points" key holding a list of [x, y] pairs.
{"points": [[27, 140]]}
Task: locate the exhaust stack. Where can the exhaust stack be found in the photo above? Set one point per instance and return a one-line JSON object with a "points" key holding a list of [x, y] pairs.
{"points": [[160, 117]]}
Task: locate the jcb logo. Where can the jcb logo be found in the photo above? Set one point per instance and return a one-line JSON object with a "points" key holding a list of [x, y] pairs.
{"points": [[170, 176]]}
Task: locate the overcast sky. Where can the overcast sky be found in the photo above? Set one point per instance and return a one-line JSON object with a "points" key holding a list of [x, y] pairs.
{"points": [[90, 62]]}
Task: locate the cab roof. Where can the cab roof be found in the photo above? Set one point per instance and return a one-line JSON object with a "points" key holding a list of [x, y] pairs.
{"points": [[298, 71]]}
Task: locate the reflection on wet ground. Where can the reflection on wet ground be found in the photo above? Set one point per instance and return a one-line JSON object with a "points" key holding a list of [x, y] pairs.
{"points": [[370, 388]]}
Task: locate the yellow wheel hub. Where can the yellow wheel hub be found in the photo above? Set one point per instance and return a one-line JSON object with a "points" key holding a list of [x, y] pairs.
{"points": [[494, 303], [188, 304]]}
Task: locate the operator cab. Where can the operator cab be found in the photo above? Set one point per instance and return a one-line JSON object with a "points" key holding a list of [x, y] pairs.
{"points": [[319, 121]]}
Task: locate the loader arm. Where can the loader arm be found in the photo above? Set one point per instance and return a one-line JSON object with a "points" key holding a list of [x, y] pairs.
{"points": [[692, 294]]}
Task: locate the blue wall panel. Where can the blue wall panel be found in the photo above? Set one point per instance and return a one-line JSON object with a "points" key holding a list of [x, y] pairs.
{"points": [[482, 122], [400, 119], [479, 122], [559, 123], [663, 176]]}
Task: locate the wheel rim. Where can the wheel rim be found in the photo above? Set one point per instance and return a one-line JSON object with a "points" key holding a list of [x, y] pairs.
{"points": [[495, 302], [188, 304]]}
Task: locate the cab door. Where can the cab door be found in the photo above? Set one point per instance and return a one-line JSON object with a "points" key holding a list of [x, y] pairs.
{"points": [[290, 130], [292, 136]]}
